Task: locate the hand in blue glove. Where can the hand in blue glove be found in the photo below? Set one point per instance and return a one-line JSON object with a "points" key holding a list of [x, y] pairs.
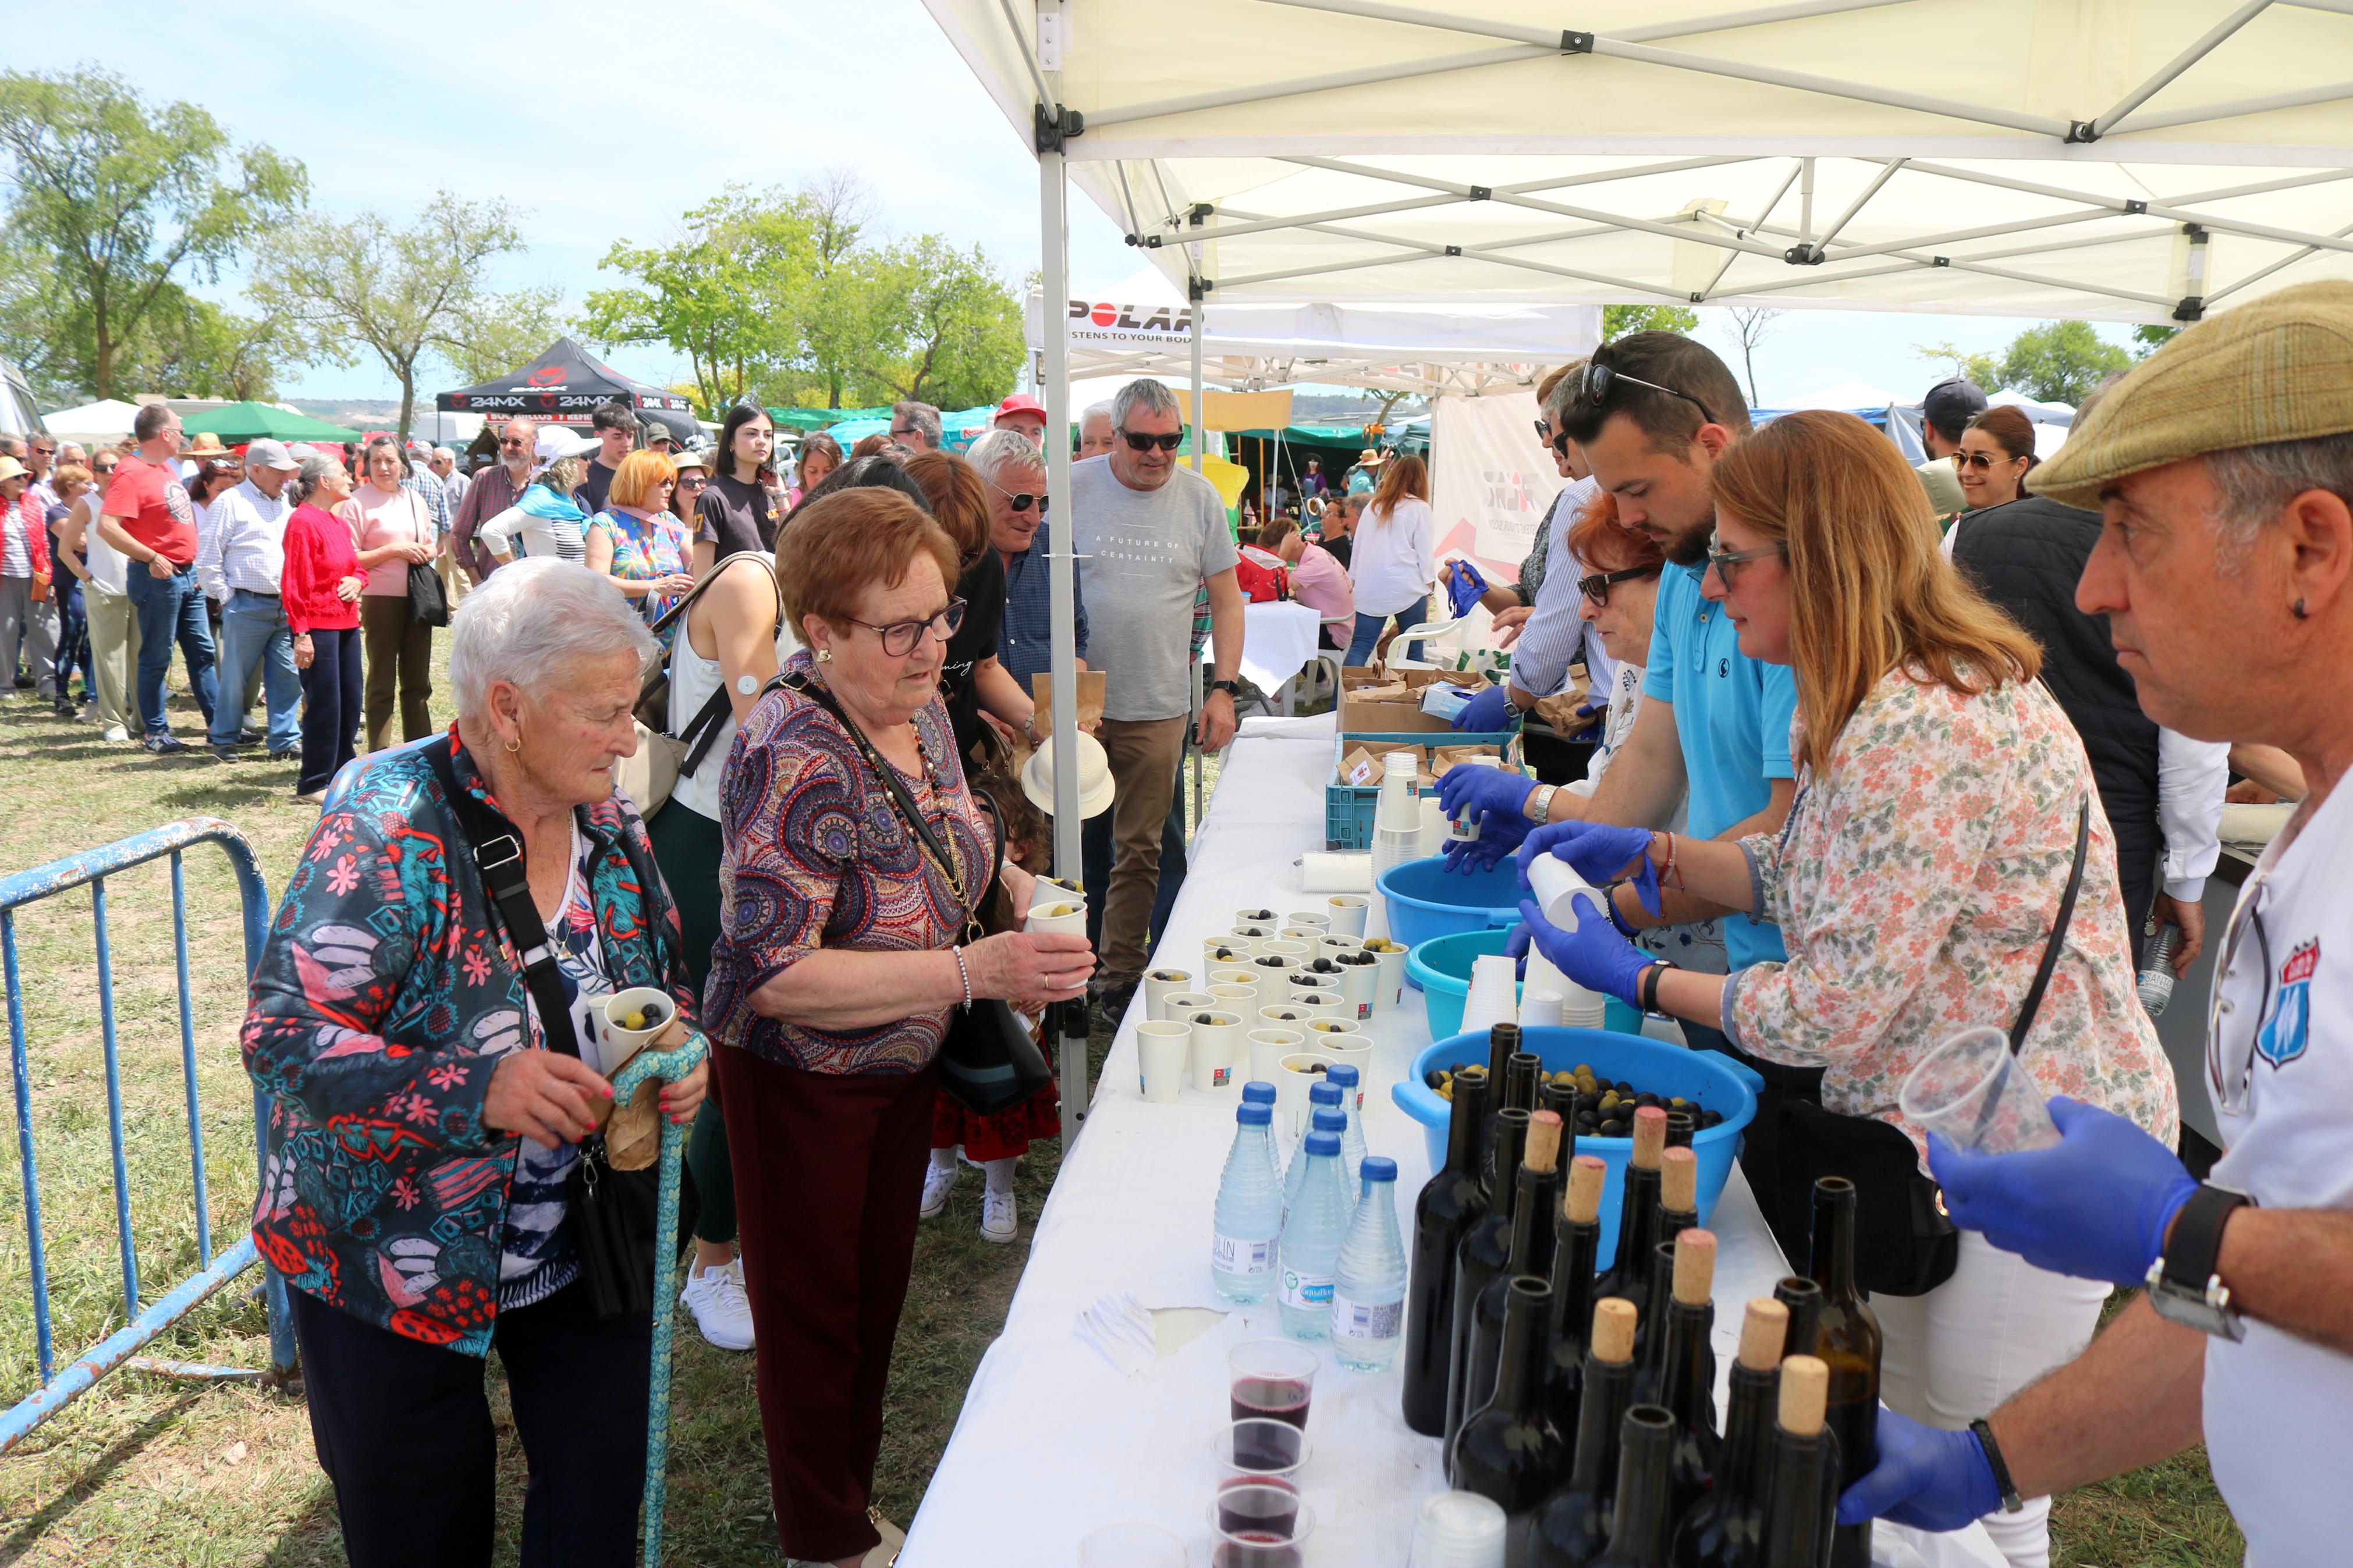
{"points": [[1596, 852], [1594, 955], [1464, 585], [2096, 1205], [1926, 1478], [1490, 711], [1484, 794], [1498, 837]]}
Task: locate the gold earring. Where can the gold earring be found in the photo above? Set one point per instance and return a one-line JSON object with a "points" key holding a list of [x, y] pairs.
{"points": [[825, 655]]}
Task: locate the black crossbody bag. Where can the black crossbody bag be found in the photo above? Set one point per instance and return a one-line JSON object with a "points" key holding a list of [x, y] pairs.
{"points": [[1905, 1244], [611, 1214], [988, 1061]]}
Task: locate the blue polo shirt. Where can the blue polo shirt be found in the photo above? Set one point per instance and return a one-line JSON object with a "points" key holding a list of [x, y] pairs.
{"points": [[1732, 718]]}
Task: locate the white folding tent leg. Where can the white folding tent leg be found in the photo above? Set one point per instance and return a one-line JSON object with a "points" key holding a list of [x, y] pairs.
{"points": [[1200, 446], [1053, 193]]}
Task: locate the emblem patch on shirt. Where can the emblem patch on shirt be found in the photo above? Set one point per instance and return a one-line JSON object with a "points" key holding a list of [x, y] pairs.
{"points": [[2284, 1035]]}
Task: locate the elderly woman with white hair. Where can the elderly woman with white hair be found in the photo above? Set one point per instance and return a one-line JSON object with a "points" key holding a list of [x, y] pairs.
{"points": [[428, 1120]]}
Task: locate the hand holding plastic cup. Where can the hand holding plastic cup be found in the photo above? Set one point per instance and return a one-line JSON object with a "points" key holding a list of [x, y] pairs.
{"points": [[1978, 1096], [1063, 913]]}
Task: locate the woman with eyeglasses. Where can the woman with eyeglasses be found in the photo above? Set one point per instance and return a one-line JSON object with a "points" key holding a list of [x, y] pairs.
{"points": [[842, 952], [1997, 453], [1916, 881], [636, 542], [1396, 557]]}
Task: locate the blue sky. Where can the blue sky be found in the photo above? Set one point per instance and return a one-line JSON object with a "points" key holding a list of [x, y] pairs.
{"points": [[743, 91]]}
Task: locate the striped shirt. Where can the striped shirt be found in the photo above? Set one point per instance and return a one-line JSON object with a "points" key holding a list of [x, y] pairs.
{"points": [[1557, 636]]}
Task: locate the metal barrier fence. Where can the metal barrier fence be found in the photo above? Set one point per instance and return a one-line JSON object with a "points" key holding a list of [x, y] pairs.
{"points": [[120, 1348]]}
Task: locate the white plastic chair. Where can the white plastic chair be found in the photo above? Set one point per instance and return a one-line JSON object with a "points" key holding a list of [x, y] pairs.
{"points": [[1425, 631]]}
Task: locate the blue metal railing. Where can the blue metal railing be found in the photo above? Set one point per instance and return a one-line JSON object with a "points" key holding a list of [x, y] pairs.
{"points": [[120, 1348]]}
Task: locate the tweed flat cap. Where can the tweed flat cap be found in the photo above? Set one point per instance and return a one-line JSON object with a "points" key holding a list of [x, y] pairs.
{"points": [[2279, 369]]}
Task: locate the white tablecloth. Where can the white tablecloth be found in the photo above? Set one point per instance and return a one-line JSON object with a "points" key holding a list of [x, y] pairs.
{"points": [[1278, 639], [1054, 1442]]}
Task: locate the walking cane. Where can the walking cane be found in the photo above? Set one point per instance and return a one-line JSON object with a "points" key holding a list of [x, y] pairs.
{"points": [[669, 1066]]}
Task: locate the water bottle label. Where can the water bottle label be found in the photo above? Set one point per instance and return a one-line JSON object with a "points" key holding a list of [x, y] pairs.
{"points": [[1312, 1292], [1232, 1254], [1367, 1320]]}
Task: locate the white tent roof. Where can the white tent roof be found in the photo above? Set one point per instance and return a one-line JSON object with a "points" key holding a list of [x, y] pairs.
{"points": [[107, 416], [2130, 160]]}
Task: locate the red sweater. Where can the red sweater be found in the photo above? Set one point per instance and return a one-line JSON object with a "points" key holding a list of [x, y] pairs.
{"points": [[319, 554]]}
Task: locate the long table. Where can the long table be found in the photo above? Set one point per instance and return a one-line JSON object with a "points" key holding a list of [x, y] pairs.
{"points": [[1053, 1441]]}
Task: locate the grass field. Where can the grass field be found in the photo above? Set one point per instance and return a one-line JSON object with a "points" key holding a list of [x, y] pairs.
{"points": [[147, 1470]]}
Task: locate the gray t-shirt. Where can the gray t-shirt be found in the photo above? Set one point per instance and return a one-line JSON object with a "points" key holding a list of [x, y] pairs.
{"points": [[1148, 552]]}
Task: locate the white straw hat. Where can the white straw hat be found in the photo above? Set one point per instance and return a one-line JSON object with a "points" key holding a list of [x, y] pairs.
{"points": [[1095, 787]]}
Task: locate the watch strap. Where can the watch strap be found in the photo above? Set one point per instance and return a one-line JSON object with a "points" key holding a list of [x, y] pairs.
{"points": [[1651, 976], [2196, 1244], [1230, 688], [1537, 805], [2011, 1501]]}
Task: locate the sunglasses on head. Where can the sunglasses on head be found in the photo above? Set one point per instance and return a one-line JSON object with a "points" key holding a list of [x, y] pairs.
{"points": [[1599, 381], [1980, 461], [1137, 441], [1596, 587]]}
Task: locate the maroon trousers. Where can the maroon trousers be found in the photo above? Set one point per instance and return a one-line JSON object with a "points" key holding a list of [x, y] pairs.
{"points": [[828, 1176]]}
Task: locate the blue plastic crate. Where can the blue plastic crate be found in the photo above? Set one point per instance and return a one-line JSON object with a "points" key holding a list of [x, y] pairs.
{"points": [[1348, 808]]}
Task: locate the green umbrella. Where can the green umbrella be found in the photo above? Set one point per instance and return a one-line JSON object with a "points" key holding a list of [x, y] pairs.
{"points": [[238, 423]]}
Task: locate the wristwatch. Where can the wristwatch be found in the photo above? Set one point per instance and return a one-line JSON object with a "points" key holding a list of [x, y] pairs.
{"points": [[1538, 804], [2183, 1286], [1230, 688]]}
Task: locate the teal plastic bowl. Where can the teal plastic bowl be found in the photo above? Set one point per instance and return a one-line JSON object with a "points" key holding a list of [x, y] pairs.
{"points": [[1425, 899], [1710, 1079], [1440, 970]]}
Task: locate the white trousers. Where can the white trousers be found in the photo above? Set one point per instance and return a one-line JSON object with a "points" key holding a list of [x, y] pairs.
{"points": [[1955, 1354]]}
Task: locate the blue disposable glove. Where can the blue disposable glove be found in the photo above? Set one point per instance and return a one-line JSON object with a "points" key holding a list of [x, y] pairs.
{"points": [[1463, 587], [1490, 711], [1484, 794], [2096, 1205], [1596, 852], [1594, 955], [1499, 834], [1926, 1478]]}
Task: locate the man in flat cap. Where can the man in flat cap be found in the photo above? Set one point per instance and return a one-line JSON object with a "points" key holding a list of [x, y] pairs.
{"points": [[2222, 470]]}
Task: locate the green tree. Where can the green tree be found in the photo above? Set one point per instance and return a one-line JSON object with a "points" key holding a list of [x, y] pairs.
{"points": [[502, 331], [347, 287], [2060, 361], [121, 197], [942, 325], [721, 294], [1983, 369], [2148, 339], [194, 348], [1617, 321]]}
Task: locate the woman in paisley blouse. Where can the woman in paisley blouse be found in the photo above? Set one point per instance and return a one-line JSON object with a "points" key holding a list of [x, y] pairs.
{"points": [[636, 542], [1916, 881], [421, 1127], [832, 981]]}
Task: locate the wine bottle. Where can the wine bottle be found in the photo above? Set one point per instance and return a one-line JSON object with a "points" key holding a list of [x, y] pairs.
{"points": [[1645, 1511], [1803, 1298], [1629, 1273], [1678, 1210], [1687, 1368], [1502, 1040], [1682, 1127], [1509, 1451], [1847, 1341], [1478, 1259], [1574, 1525], [1801, 1493], [1727, 1528], [1576, 1236], [1560, 1099], [1450, 1203], [1649, 1343], [1529, 1251], [1522, 1071]]}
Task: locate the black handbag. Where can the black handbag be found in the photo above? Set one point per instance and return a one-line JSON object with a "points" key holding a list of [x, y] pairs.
{"points": [[426, 604], [988, 1061], [1905, 1244], [612, 1215]]}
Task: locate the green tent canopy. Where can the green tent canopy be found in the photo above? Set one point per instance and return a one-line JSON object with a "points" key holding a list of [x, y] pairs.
{"points": [[238, 423], [824, 418]]}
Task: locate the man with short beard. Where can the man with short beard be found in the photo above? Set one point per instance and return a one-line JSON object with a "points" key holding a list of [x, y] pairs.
{"points": [[492, 490]]}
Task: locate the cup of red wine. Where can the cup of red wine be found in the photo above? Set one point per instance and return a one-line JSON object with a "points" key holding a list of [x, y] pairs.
{"points": [[1273, 1380], [1260, 1524]]}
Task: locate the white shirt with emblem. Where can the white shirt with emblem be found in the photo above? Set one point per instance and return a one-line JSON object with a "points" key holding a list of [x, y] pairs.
{"points": [[2278, 1409]]}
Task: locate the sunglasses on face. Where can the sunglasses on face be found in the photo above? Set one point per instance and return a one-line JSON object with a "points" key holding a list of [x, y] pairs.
{"points": [[514, 446], [910, 430], [1137, 441], [1724, 562], [1021, 501], [1599, 381], [1544, 431], [1981, 461], [693, 481], [1596, 587], [898, 638]]}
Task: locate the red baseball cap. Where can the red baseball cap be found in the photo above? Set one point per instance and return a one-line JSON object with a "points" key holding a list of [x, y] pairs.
{"points": [[1020, 403]]}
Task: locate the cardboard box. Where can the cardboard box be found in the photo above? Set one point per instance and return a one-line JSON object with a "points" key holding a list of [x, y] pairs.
{"points": [[1395, 715]]}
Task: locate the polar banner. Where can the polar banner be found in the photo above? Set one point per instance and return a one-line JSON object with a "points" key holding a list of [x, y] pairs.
{"points": [[1108, 324], [1492, 483]]}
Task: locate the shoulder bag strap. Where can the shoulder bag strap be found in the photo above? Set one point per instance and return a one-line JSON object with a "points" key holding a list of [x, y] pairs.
{"points": [[497, 854], [2058, 931], [701, 732]]}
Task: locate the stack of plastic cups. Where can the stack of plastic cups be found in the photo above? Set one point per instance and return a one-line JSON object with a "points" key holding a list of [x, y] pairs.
{"points": [[1539, 1009], [1492, 999], [1580, 1008], [1457, 1529]]}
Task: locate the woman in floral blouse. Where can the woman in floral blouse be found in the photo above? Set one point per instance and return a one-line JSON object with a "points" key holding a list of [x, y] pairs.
{"points": [[1916, 880], [636, 541]]}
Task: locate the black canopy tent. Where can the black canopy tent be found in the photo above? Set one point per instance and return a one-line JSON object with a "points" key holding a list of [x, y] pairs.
{"points": [[564, 385]]}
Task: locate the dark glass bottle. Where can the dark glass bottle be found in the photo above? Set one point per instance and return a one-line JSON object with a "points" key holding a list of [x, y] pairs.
{"points": [[1687, 1367], [1576, 1236], [1560, 1099], [1534, 1205], [1509, 1451], [1847, 1340], [1650, 1342], [1804, 1300], [1502, 1040], [1479, 1259], [1678, 1211], [1521, 1071], [1727, 1528], [1645, 1508], [1682, 1127], [1450, 1203], [1574, 1525], [1629, 1274], [1802, 1484]]}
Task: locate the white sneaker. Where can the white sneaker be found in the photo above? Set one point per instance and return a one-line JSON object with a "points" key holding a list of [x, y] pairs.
{"points": [[722, 1311], [116, 733], [998, 1222], [937, 1184]]}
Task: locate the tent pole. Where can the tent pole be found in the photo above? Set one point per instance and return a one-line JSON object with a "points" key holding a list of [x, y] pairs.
{"points": [[1201, 444], [1053, 193]]}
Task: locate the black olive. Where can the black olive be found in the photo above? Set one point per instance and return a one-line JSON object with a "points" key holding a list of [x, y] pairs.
{"points": [[1613, 1128], [1646, 1100], [1586, 1119], [1433, 1077], [1622, 1086]]}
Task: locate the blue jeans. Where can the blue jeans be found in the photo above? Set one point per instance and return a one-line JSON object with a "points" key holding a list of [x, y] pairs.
{"points": [[170, 608], [253, 632], [1368, 631]]}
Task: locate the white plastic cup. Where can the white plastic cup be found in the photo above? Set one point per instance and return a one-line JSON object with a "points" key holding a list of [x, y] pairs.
{"points": [[1540, 1009], [1295, 1075], [1073, 921], [1493, 996], [1268, 1047], [1259, 916], [1175, 1004], [1389, 991], [1360, 978], [1306, 984], [1432, 823], [1335, 946], [1160, 1052], [1977, 1096], [1354, 1049], [1283, 1015], [1224, 952], [1555, 886], [1319, 1005], [1345, 914], [1241, 999], [1240, 975], [1158, 984], [1453, 1529], [1251, 935], [1214, 1051], [1280, 947], [1316, 918], [1308, 937]]}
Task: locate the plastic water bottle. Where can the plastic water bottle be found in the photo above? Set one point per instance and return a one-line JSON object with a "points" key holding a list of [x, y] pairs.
{"points": [[1249, 1212], [1368, 1292], [2155, 979], [1310, 1255], [1342, 1075], [1323, 1119], [1259, 1093]]}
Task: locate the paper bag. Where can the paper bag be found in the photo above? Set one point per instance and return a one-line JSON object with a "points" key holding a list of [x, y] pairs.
{"points": [[1091, 698], [633, 1137]]}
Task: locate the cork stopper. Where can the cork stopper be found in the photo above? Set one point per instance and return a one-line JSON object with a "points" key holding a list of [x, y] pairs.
{"points": [[1583, 1203], [1678, 1180], [1694, 1266], [1613, 1335], [1650, 1136], [1761, 1333], [1805, 1388], [1544, 1141]]}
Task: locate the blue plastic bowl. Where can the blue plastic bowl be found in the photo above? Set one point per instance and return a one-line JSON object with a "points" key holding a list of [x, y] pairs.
{"points": [[1425, 899], [1440, 970], [1711, 1078]]}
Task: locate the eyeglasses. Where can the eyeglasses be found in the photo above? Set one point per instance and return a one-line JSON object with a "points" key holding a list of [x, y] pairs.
{"points": [[1980, 461], [1596, 587], [898, 638], [693, 480], [1137, 441], [910, 430], [1544, 431], [1722, 562], [2230, 1067], [1596, 384], [101, 469], [513, 445], [1022, 499]]}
